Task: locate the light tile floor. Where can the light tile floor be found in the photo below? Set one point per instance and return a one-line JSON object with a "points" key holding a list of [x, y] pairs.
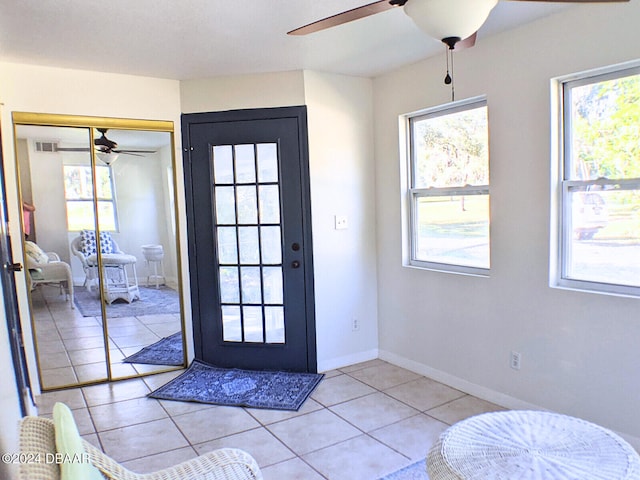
{"points": [[362, 422]]}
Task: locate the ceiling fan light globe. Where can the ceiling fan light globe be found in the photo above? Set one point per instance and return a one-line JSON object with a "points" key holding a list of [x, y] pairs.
{"points": [[449, 18], [107, 157]]}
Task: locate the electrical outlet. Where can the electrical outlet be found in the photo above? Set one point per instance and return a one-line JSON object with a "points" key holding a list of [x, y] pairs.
{"points": [[355, 324], [516, 360], [341, 222]]}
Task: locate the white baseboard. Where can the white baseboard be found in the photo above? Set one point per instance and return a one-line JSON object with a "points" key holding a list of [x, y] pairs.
{"points": [[339, 362], [479, 391], [458, 383]]}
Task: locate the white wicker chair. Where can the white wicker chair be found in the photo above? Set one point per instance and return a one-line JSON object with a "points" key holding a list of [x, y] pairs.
{"points": [[37, 438], [118, 283], [47, 268], [90, 263]]}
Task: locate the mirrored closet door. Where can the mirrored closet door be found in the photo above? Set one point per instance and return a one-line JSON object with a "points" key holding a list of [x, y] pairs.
{"points": [[101, 246]]}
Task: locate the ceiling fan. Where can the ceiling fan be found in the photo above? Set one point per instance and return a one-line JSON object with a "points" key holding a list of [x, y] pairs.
{"points": [[454, 22], [106, 149]]}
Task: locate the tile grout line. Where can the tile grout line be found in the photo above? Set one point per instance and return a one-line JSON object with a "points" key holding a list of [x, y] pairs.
{"points": [[95, 429], [368, 433], [362, 432]]}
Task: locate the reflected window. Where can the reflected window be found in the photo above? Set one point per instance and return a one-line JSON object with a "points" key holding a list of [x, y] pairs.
{"points": [[78, 191]]}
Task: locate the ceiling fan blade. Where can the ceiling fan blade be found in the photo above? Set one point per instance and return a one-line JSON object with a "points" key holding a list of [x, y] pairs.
{"points": [[133, 152], [468, 42], [137, 153], [344, 17], [124, 152]]}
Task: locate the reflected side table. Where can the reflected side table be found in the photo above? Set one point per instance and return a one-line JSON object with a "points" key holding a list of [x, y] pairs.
{"points": [[120, 283], [154, 256]]}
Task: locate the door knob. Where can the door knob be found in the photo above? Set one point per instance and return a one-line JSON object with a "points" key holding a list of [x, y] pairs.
{"points": [[295, 264]]}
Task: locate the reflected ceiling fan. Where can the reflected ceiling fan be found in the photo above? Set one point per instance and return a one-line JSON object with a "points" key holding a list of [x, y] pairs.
{"points": [[106, 150], [454, 22]]}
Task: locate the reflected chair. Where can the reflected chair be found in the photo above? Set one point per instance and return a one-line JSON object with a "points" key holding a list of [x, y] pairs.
{"points": [[47, 268], [120, 282]]}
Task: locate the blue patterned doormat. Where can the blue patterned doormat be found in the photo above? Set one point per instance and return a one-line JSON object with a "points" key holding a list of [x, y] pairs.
{"points": [[415, 471], [243, 388], [167, 351]]}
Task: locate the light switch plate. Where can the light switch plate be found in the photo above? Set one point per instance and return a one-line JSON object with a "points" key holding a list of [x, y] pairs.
{"points": [[341, 222]]}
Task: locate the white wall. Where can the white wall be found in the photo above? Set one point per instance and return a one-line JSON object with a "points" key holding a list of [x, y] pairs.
{"points": [[47, 192], [579, 350], [53, 90], [342, 183], [340, 113], [242, 91], [141, 192]]}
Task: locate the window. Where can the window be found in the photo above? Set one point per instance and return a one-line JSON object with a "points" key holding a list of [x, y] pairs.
{"points": [[449, 187], [78, 191], [599, 187]]}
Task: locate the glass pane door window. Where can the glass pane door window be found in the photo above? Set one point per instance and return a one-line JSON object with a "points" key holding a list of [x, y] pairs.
{"points": [[246, 195]]}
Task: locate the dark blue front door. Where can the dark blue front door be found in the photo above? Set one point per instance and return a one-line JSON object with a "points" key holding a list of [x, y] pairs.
{"points": [[250, 238]]}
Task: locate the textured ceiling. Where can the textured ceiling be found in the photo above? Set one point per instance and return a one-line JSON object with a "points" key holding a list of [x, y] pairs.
{"points": [[187, 39]]}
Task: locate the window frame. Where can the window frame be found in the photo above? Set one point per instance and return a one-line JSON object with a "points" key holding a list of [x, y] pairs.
{"points": [[561, 204], [414, 194], [90, 199]]}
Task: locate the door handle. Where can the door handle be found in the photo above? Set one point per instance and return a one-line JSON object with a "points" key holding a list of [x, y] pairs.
{"points": [[14, 267], [295, 264]]}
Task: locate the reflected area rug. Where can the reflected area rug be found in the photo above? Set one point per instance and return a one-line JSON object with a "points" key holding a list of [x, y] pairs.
{"points": [[167, 351], [415, 471], [153, 301], [243, 388]]}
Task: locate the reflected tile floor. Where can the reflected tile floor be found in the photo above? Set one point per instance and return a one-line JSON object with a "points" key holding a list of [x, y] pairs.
{"points": [[72, 346], [362, 422]]}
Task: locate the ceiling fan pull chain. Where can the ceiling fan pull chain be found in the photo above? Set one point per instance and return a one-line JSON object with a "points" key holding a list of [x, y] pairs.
{"points": [[447, 79], [453, 93]]}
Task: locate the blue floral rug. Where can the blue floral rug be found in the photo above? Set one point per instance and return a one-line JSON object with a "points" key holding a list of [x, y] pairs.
{"points": [[153, 301], [167, 351], [243, 388], [416, 471]]}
